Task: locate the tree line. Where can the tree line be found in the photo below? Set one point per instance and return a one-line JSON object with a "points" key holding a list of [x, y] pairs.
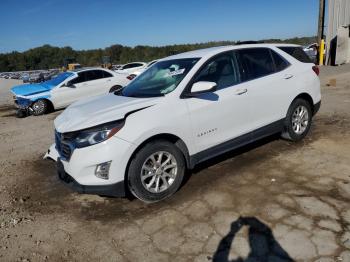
{"points": [[48, 56]]}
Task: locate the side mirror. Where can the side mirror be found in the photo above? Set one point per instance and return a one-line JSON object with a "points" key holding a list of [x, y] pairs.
{"points": [[203, 87], [69, 84]]}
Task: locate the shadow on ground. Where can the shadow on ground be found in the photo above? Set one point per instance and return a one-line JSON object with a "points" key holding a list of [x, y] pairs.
{"points": [[263, 245]]}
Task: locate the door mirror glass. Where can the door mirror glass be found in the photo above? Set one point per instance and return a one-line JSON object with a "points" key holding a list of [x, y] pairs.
{"points": [[203, 87]]}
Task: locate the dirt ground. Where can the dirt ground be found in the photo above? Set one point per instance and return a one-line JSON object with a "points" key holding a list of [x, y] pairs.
{"points": [[270, 201]]}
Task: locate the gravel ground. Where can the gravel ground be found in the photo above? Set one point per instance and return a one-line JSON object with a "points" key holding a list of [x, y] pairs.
{"points": [[270, 201]]}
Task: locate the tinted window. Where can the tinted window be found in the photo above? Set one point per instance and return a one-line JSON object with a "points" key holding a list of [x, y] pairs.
{"points": [[220, 70], [81, 78], [132, 65], [296, 52], [107, 74], [280, 62], [94, 75], [254, 63]]}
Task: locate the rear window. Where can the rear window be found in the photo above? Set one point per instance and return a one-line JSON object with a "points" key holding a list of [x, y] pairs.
{"points": [[296, 52]]}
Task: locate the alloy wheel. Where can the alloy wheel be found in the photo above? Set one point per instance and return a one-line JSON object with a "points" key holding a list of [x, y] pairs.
{"points": [[158, 172], [300, 119]]}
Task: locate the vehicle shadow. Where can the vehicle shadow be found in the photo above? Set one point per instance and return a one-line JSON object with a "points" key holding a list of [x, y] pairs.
{"points": [[263, 245]]}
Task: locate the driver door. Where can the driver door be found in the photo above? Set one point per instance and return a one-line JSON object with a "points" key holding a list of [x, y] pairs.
{"points": [[221, 116]]}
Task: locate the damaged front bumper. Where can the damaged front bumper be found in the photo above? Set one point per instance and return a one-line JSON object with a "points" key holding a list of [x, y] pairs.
{"points": [[22, 103], [79, 172]]}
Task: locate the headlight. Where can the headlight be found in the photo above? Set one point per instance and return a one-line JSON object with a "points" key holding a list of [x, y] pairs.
{"points": [[97, 134]]}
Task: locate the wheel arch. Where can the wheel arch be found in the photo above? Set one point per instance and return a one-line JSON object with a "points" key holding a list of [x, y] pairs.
{"points": [[115, 87], [308, 98], [177, 141], [49, 102]]}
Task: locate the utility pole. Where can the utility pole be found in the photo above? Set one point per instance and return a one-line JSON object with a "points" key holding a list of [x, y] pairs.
{"points": [[321, 16]]}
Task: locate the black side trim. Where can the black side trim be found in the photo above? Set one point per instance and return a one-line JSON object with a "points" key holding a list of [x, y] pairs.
{"points": [[114, 190], [237, 142], [316, 108]]}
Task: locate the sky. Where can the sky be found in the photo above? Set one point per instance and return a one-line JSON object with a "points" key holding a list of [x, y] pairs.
{"points": [[87, 24]]}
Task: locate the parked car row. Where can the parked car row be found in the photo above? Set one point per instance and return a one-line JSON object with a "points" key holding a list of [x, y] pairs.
{"points": [[39, 76], [31, 76], [180, 111], [45, 94]]}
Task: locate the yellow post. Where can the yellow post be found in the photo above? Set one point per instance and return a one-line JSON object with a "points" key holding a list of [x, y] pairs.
{"points": [[321, 53]]}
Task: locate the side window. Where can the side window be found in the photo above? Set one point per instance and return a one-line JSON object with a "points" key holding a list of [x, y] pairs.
{"points": [[296, 52], [254, 63], [132, 65], [79, 79], [94, 75], [220, 70], [106, 74], [128, 66], [280, 62]]}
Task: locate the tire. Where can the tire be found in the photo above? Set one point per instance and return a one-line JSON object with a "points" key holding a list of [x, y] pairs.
{"points": [[40, 107], [115, 88], [20, 113], [298, 120], [146, 177]]}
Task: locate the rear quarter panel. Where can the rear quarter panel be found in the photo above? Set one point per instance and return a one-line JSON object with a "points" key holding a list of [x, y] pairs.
{"points": [[308, 82]]}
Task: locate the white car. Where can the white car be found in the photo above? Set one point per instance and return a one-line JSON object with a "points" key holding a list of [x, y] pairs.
{"points": [[125, 79], [183, 110], [131, 67], [64, 89], [139, 71]]}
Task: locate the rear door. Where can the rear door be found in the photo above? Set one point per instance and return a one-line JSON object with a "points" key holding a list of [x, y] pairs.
{"points": [[99, 82], [270, 81]]}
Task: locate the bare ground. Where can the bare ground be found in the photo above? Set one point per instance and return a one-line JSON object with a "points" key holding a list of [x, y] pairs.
{"points": [[270, 201]]}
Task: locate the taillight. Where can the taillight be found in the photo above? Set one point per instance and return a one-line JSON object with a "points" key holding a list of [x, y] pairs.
{"points": [[131, 77], [316, 70]]}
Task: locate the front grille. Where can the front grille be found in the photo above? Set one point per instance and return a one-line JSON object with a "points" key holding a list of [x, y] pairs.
{"points": [[64, 147]]}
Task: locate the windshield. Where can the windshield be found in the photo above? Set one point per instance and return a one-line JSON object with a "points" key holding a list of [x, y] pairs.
{"points": [[160, 79], [58, 79]]}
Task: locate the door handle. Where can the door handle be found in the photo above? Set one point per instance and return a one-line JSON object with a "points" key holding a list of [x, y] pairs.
{"points": [[241, 91], [288, 76]]}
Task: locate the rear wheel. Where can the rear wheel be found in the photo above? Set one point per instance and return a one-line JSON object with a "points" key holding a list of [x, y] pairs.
{"points": [[156, 172], [298, 120], [40, 107]]}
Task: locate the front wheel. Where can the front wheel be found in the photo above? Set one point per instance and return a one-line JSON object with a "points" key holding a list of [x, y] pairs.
{"points": [[40, 107], [298, 120], [156, 172]]}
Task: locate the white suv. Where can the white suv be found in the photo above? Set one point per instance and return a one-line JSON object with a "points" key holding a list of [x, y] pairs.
{"points": [[183, 110]]}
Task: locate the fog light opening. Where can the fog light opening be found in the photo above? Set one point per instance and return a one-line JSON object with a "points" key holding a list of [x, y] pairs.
{"points": [[102, 170]]}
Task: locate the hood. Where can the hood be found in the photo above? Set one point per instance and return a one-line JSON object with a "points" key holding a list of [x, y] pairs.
{"points": [[99, 110], [30, 89]]}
